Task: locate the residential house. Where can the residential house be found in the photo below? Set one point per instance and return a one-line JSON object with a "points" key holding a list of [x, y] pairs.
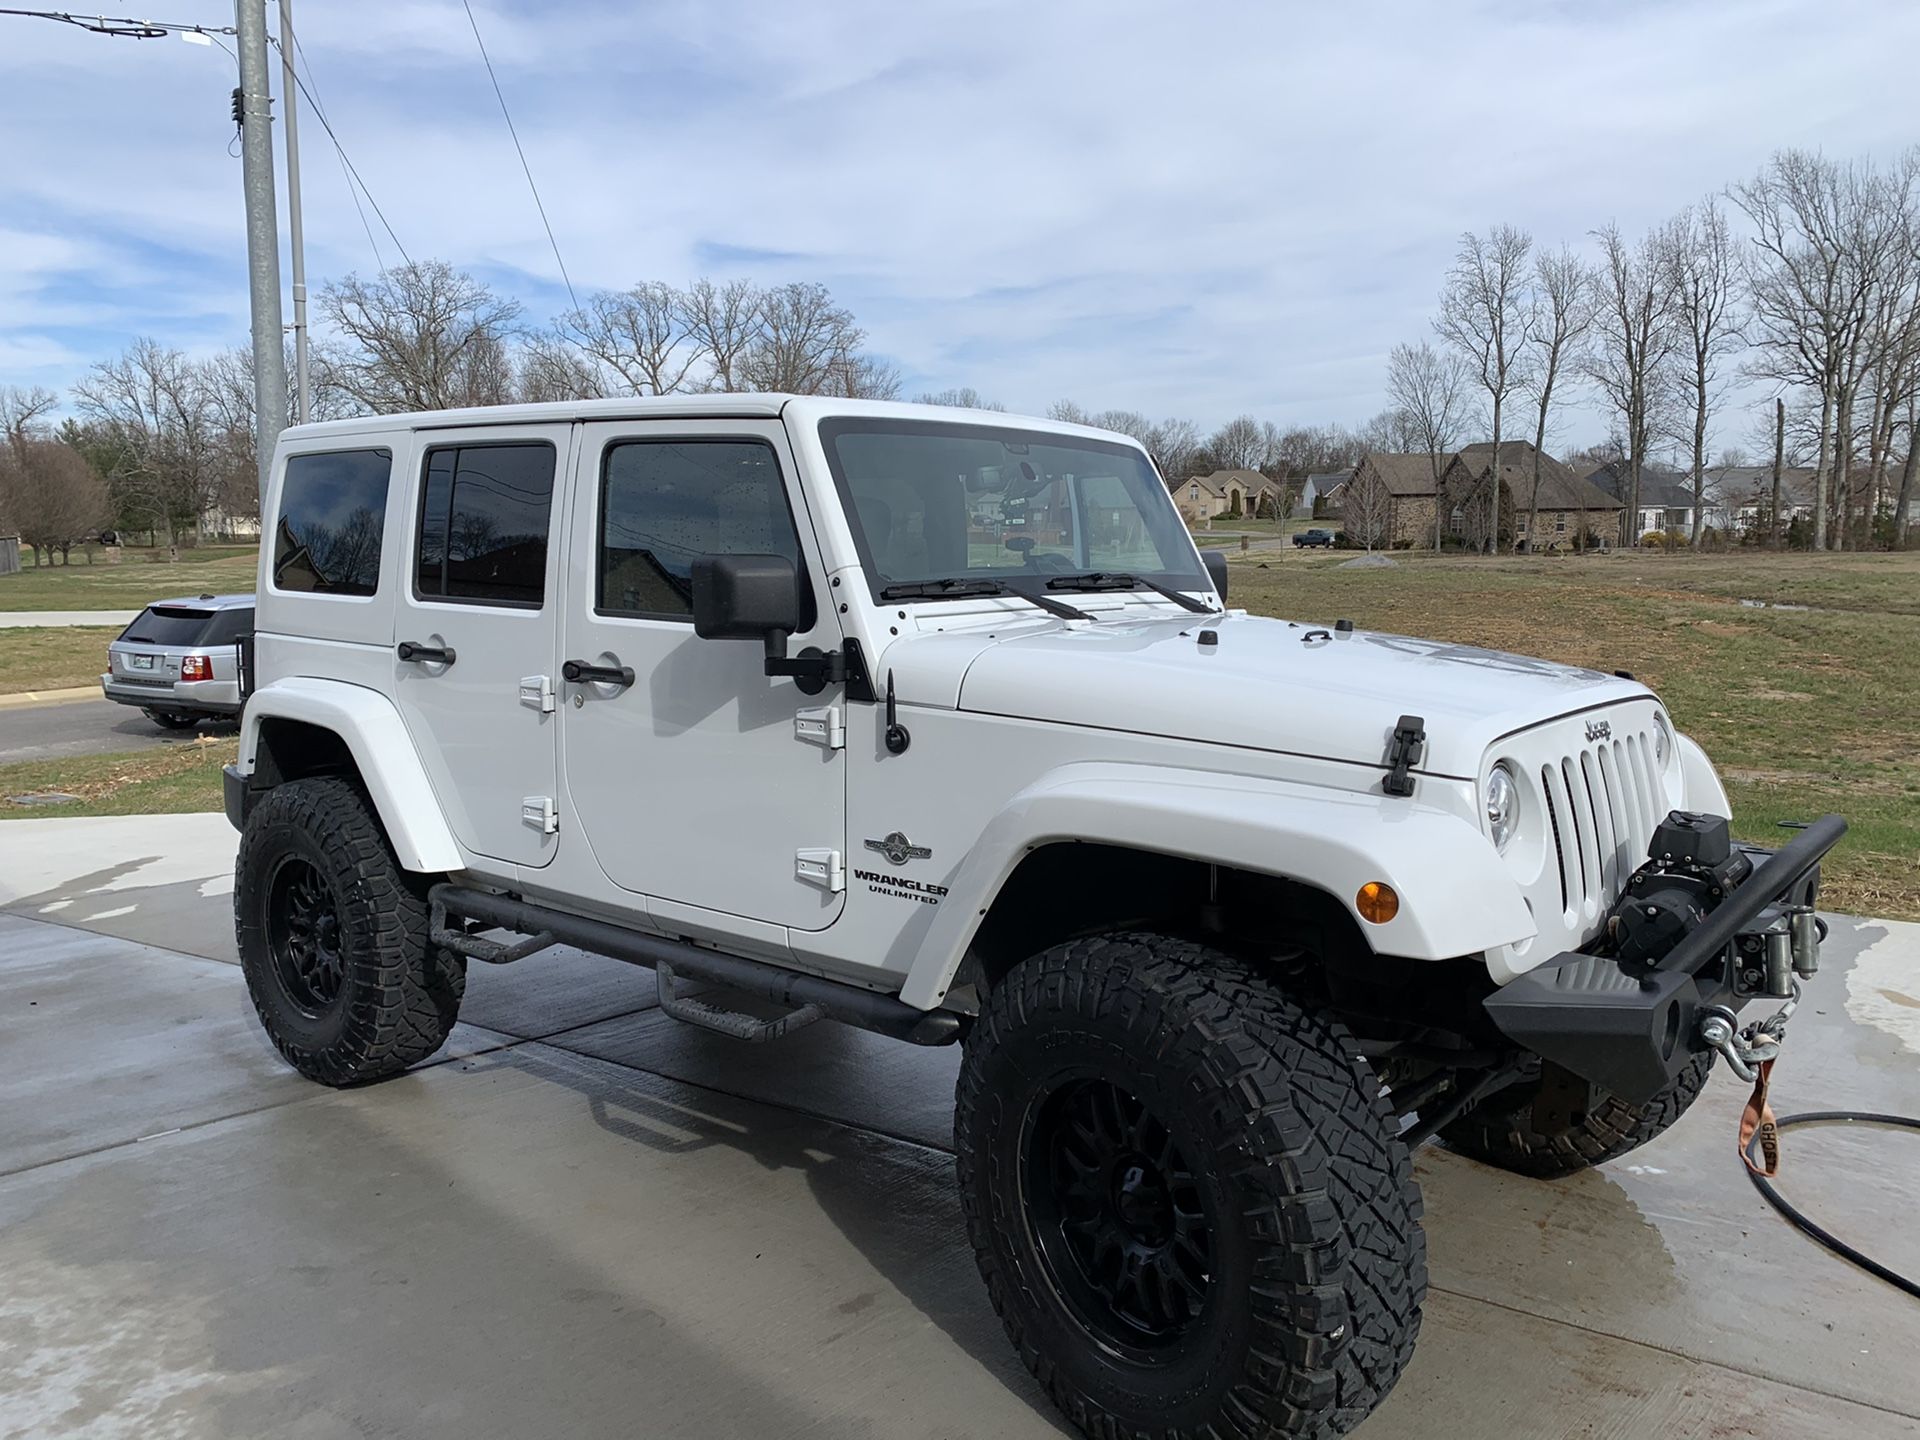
{"points": [[1388, 500], [1315, 491], [1666, 498], [1744, 493], [1228, 492], [1482, 514]]}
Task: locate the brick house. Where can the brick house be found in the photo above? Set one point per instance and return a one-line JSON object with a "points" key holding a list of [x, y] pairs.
{"points": [[1388, 500], [1228, 492], [1483, 515]]}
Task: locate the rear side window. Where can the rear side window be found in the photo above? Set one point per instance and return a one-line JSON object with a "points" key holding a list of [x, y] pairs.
{"points": [[333, 509], [225, 627], [484, 513], [665, 502], [168, 625]]}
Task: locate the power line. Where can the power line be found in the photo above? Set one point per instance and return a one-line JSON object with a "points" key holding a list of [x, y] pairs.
{"points": [[125, 27], [346, 170], [501, 97], [345, 159]]}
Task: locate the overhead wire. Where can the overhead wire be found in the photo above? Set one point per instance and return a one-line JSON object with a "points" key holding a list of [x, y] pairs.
{"points": [[519, 150], [125, 27]]}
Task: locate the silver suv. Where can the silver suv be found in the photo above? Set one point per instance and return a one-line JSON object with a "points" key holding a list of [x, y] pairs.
{"points": [[179, 661]]}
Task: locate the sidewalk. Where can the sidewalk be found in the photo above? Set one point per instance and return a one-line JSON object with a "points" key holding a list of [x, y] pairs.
{"points": [[22, 619], [49, 697]]}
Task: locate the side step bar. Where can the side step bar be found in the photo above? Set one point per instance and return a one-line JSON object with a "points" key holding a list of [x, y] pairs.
{"points": [[671, 959]]}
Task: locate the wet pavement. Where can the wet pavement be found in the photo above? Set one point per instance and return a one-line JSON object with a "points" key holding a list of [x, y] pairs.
{"points": [[585, 1220]]}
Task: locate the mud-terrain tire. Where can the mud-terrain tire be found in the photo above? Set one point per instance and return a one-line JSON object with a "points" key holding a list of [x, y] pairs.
{"points": [[333, 938], [1500, 1131], [172, 719], [1186, 1196]]}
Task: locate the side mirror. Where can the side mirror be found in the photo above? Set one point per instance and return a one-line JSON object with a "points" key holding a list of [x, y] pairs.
{"points": [[746, 597], [1216, 564]]}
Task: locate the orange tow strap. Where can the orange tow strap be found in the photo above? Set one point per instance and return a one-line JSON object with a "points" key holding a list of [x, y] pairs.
{"points": [[1757, 1119]]}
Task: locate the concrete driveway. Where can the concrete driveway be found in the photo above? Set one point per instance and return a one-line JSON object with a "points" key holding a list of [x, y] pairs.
{"points": [[583, 1220]]}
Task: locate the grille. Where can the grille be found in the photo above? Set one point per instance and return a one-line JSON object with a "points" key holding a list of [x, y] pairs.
{"points": [[1602, 807]]}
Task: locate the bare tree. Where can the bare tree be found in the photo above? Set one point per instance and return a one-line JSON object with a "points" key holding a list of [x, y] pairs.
{"points": [[803, 343], [1240, 444], [51, 495], [418, 337], [1826, 238], [1701, 253], [1631, 361], [147, 407], [550, 368], [963, 397], [1429, 388], [1484, 316], [1561, 302], [723, 321], [642, 336], [1366, 507], [21, 411]]}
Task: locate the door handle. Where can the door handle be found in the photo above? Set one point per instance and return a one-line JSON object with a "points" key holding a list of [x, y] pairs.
{"points": [[577, 671], [416, 653]]}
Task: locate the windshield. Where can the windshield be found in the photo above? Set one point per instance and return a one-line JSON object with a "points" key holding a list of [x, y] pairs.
{"points": [[931, 501]]}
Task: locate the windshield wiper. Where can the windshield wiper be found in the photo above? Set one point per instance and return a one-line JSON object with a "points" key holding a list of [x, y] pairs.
{"points": [[956, 589], [1114, 580]]}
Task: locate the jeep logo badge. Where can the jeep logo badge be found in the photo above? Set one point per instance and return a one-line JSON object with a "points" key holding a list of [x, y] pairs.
{"points": [[1596, 730], [899, 850]]}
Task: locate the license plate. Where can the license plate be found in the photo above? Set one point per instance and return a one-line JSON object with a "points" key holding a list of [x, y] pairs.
{"points": [[140, 662]]}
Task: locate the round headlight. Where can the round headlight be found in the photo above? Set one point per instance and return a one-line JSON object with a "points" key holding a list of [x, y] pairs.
{"points": [[1662, 741], [1503, 806]]}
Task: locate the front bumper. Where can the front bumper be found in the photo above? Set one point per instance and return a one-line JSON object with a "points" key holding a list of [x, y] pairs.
{"points": [[192, 697], [1631, 1034]]}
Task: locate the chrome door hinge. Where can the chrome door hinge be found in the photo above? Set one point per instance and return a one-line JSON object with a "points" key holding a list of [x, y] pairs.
{"points": [[538, 811], [826, 726], [536, 692], [824, 868]]}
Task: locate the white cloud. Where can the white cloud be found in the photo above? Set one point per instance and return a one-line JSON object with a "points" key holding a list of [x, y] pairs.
{"points": [[1197, 209]]}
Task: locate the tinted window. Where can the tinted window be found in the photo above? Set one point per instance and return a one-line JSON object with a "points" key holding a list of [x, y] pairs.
{"points": [[484, 511], [227, 626], [167, 625], [333, 508], [664, 502]]}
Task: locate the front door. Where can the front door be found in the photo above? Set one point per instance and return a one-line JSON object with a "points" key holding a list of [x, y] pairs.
{"points": [[693, 783], [474, 669]]}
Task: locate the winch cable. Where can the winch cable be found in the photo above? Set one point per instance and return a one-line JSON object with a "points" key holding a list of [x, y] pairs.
{"points": [[1798, 1219]]}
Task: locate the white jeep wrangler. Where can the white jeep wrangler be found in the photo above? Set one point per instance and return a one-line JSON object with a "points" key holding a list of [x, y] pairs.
{"points": [[934, 723]]}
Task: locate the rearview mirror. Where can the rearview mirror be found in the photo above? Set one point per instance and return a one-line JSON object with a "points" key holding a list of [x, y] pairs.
{"points": [[1216, 564], [746, 597]]}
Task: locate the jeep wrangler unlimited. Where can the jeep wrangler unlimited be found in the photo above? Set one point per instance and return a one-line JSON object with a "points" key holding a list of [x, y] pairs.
{"points": [[935, 723]]}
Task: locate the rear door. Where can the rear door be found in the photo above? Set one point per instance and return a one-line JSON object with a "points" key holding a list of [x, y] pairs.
{"points": [[477, 624], [694, 784]]}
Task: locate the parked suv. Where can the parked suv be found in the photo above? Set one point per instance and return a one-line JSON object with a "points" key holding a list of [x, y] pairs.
{"points": [[936, 723], [179, 661]]}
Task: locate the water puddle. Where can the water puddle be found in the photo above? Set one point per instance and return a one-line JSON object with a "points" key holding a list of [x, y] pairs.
{"points": [[1772, 605]]}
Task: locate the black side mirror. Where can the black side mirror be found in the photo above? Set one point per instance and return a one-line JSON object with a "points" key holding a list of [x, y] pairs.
{"points": [[746, 597], [1216, 564]]}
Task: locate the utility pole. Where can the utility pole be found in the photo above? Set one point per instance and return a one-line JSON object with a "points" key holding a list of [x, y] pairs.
{"points": [[290, 98], [263, 236]]}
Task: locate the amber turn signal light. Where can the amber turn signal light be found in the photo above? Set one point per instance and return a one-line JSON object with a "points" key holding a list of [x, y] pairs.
{"points": [[1377, 902]]}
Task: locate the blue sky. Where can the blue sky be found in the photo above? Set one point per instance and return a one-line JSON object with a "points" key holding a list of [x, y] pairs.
{"points": [[1194, 209]]}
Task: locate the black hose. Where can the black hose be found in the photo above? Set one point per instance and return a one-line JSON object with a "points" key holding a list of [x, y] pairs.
{"points": [[1799, 1221]]}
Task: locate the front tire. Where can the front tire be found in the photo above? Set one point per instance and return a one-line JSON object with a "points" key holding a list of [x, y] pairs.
{"points": [[1186, 1196], [1502, 1129], [333, 938]]}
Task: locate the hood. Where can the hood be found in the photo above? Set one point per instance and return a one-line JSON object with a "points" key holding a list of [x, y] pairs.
{"points": [[1271, 685]]}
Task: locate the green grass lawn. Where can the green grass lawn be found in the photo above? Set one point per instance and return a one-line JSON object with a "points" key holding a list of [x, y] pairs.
{"points": [[52, 657], [1802, 711], [140, 577], [169, 780]]}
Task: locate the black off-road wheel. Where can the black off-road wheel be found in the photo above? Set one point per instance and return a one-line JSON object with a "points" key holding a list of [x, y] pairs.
{"points": [[1186, 1196], [333, 938], [1503, 1130]]}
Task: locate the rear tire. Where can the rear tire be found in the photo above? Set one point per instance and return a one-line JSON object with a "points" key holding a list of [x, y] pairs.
{"points": [[1500, 1130], [333, 938], [171, 719], [1186, 1196]]}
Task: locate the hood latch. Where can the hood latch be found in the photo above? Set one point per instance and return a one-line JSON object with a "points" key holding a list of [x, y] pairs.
{"points": [[1404, 751]]}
